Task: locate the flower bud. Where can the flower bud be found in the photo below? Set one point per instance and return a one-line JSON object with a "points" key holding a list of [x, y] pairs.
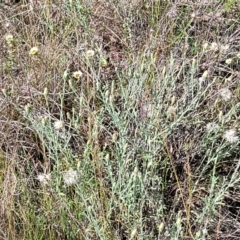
{"points": [[107, 157], [45, 92], [205, 46], [133, 233], [205, 74], [65, 74], [107, 94], [68, 116], [4, 91], [160, 227], [71, 84], [44, 120], [33, 51], [103, 62], [114, 136], [178, 222], [27, 108]]}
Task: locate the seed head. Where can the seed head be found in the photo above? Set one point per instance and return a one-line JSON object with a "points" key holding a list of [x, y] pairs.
{"points": [[212, 127], [44, 178], [226, 94], [58, 125], [231, 136], [70, 177]]}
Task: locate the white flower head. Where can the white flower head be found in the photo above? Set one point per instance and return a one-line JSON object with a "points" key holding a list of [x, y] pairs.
{"points": [[70, 177], [77, 74], [58, 124], [228, 61], [33, 51], [225, 93], [90, 53], [9, 38], [212, 127], [44, 178], [231, 136]]}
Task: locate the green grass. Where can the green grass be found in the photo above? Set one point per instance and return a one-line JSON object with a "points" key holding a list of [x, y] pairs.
{"points": [[138, 148]]}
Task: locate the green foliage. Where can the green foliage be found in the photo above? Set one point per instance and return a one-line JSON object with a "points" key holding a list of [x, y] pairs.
{"points": [[119, 120]]}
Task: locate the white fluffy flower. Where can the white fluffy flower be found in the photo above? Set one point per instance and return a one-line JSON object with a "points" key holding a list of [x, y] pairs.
{"points": [[231, 136], [58, 125], [226, 94], [211, 127], [70, 177], [44, 178]]}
